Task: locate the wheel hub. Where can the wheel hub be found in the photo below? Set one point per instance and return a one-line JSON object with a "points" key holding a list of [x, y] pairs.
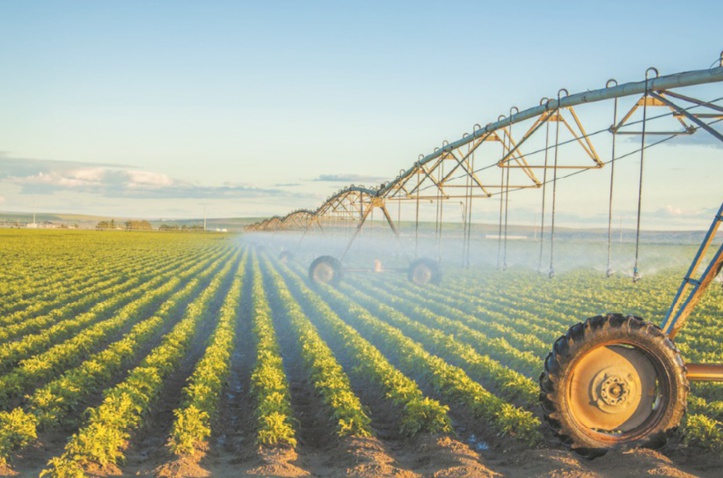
{"points": [[421, 275], [323, 273], [613, 389]]}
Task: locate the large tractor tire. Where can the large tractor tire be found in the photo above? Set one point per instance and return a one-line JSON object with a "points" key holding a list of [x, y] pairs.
{"points": [[325, 270], [614, 381], [424, 271]]}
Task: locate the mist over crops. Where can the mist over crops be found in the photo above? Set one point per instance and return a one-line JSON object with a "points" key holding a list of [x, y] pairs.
{"points": [[172, 354]]}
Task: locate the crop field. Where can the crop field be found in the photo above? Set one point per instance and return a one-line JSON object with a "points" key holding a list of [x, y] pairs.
{"points": [[170, 354]]}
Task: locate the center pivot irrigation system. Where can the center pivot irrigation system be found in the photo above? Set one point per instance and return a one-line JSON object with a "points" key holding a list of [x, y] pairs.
{"points": [[614, 380]]}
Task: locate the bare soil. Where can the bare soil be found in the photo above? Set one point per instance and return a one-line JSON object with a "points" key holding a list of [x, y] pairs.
{"points": [[428, 456], [232, 453]]}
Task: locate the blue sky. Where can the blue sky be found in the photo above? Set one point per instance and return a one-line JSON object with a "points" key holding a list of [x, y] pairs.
{"points": [[162, 108]]}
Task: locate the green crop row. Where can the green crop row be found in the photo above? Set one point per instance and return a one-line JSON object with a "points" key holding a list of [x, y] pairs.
{"points": [[498, 348], [192, 423], [104, 436], [66, 298], [75, 293], [49, 405], [44, 266], [449, 381], [329, 379], [504, 381], [418, 413], [519, 333], [31, 371], [269, 385]]}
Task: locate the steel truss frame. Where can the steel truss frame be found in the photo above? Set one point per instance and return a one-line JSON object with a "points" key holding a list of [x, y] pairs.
{"points": [[453, 171]]}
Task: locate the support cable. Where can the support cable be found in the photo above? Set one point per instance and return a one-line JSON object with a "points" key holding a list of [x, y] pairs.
{"points": [[440, 203], [507, 190], [416, 220], [436, 219], [399, 213], [581, 171], [613, 130], [499, 229], [596, 133], [507, 207], [373, 232], [636, 271], [465, 204], [551, 273], [468, 208], [544, 195], [469, 214]]}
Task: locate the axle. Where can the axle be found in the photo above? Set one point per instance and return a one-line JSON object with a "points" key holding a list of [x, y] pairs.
{"points": [[703, 372]]}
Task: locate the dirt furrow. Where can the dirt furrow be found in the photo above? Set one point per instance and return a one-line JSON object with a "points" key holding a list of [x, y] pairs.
{"points": [[392, 453], [148, 447]]}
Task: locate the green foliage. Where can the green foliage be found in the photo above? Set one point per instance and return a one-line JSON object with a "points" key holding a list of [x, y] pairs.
{"points": [[424, 414], [190, 429], [703, 432], [138, 225], [449, 381], [325, 373], [477, 342], [269, 385], [50, 404], [275, 427], [61, 468], [18, 430], [192, 424], [456, 349], [104, 437], [419, 414]]}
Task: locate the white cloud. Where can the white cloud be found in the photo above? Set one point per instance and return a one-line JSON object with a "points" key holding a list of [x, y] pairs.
{"points": [[77, 178], [349, 178], [114, 181], [87, 174], [678, 212], [147, 179], [673, 211]]}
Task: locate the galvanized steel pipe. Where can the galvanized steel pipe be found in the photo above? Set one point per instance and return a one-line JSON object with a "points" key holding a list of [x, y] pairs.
{"points": [[677, 80]]}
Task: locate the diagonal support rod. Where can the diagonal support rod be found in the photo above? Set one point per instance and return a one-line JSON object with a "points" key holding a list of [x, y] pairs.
{"points": [[691, 117], [691, 289]]}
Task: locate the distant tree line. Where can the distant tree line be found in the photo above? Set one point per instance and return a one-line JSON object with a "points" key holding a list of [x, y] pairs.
{"points": [[128, 225], [138, 226], [145, 226], [106, 224], [176, 227]]}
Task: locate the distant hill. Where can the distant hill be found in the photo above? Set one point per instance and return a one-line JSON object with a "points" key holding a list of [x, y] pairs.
{"points": [[237, 224], [83, 221], [21, 219]]}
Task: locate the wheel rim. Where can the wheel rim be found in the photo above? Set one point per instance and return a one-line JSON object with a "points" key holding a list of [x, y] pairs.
{"points": [[421, 275], [323, 273], [615, 392]]}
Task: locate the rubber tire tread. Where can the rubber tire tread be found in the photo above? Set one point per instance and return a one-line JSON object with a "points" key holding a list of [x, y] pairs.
{"points": [[431, 264], [333, 263], [581, 338]]}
